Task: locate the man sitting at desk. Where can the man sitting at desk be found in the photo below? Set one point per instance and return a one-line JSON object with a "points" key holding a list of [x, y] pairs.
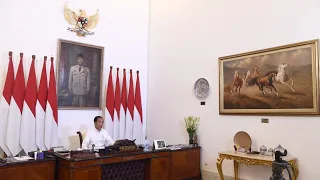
{"points": [[97, 136]]}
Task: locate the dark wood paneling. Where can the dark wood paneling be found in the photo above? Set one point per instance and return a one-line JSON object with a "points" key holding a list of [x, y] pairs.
{"points": [[160, 168], [28, 171], [92, 173], [64, 172], [185, 164], [110, 160]]}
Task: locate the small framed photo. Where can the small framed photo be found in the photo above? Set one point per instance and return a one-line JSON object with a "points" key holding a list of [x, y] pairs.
{"points": [[159, 144]]}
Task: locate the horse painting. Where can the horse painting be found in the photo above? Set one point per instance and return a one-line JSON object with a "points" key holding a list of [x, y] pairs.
{"points": [[237, 82], [281, 76], [279, 80], [267, 82], [251, 78]]}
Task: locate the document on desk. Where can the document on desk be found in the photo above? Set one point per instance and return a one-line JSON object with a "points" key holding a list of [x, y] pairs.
{"points": [[23, 158], [174, 147]]}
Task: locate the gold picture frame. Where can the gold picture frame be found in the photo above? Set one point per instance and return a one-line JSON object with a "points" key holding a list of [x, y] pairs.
{"points": [[282, 80], [79, 86]]}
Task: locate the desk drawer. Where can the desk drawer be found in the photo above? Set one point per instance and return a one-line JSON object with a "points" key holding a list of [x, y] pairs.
{"points": [[160, 154]]}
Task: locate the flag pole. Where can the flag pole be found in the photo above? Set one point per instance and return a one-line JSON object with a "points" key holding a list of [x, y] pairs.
{"points": [[5, 155], [133, 107], [104, 107]]}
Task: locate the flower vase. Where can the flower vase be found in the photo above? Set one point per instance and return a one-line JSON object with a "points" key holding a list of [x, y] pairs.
{"points": [[191, 138]]}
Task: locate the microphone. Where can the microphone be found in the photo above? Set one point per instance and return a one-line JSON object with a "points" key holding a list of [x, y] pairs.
{"points": [[92, 147]]}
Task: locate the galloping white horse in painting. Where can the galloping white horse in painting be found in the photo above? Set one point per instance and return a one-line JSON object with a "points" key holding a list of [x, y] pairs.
{"points": [[282, 77]]}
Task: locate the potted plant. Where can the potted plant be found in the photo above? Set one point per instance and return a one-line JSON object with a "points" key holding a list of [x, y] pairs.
{"points": [[191, 125]]}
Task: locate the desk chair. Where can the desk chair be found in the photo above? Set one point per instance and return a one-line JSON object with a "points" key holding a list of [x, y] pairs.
{"points": [[81, 137]]}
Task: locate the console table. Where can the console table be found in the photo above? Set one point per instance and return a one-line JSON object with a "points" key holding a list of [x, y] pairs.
{"points": [[163, 164], [252, 159]]}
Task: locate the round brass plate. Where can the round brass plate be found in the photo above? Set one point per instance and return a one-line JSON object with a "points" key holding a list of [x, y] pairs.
{"points": [[242, 140]]}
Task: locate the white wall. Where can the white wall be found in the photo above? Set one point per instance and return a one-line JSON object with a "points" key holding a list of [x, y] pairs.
{"points": [[34, 27], [186, 39]]}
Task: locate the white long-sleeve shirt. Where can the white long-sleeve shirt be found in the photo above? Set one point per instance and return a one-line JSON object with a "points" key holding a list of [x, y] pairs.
{"points": [[100, 139]]}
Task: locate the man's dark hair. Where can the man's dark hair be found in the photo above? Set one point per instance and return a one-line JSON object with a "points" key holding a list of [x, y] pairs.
{"points": [[96, 118], [80, 55]]}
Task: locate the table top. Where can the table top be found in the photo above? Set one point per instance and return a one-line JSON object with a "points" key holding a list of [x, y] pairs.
{"points": [[12, 161], [254, 156]]}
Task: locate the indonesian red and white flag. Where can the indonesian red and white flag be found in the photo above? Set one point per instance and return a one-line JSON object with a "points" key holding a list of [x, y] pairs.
{"points": [[15, 111], [28, 121], [109, 111], [123, 107], [41, 106], [138, 121], [130, 109], [117, 103], [5, 104], [51, 118]]}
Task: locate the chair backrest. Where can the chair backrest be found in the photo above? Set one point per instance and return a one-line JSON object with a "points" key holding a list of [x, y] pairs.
{"points": [[81, 135], [74, 142]]}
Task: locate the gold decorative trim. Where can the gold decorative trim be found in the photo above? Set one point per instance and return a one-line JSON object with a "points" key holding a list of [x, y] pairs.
{"points": [[247, 161], [250, 161]]}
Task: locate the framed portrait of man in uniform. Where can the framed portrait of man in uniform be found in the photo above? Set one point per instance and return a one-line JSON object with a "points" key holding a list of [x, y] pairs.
{"points": [[80, 72]]}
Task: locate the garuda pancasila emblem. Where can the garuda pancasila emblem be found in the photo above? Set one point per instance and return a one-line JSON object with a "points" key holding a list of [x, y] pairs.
{"points": [[82, 23]]}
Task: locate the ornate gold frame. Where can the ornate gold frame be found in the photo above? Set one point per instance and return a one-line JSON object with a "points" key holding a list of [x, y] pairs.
{"points": [[101, 74], [315, 80]]}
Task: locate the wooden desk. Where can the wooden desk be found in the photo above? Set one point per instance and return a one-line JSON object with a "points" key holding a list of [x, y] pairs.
{"points": [[150, 165], [253, 159], [28, 170], [185, 164]]}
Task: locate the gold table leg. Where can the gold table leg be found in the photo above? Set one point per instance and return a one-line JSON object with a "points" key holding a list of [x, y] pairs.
{"points": [[295, 170], [219, 167], [236, 169]]}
